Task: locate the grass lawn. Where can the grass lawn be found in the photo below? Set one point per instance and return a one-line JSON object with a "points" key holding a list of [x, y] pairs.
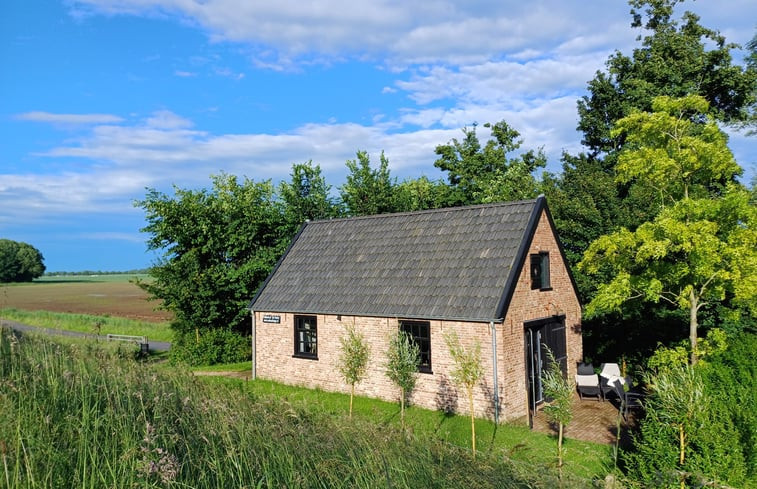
{"points": [[515, 441]]}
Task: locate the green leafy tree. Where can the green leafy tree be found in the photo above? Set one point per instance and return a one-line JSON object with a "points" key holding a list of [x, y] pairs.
{"points": [[558, 409], [353, 359], [217, 247], [20, 262], [677, 149], [402, 359], [368, 191], [467, 371], [418, 194], [306, 197], [479, 174], [675, 58], [695, 252]]}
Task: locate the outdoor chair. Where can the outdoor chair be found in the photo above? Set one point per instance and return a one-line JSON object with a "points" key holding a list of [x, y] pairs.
{"points": [[607, 376], [587, 381], [628, 399], [585, 369], [588, 385]]}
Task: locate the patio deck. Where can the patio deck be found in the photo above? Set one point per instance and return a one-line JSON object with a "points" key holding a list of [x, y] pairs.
{"points": [[592, 421]]}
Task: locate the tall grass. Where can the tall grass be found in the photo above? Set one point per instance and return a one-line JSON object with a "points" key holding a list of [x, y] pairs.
{"points": [[89, 323], [80, 416]]}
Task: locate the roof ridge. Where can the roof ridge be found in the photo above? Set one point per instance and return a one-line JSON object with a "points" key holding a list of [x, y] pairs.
{"points": [[429, 211]]}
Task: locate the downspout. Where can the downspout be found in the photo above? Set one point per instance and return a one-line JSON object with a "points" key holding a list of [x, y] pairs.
{"points": [[254, 363], [494, 369]]}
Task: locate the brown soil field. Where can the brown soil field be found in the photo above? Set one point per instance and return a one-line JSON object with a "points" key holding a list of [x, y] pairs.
{"points": [[119, 299]]}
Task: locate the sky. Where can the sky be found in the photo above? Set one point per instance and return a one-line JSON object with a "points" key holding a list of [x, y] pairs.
{"points": [[103, 99]]}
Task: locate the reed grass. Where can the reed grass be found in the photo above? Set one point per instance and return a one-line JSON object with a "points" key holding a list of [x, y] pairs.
{"points": [[81, 416]]}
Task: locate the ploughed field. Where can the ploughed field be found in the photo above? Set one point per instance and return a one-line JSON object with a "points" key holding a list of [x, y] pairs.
{"points": [[109, 295]]}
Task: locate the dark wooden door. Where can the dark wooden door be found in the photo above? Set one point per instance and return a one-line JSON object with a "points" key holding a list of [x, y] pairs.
{"points": [[540, 335]]}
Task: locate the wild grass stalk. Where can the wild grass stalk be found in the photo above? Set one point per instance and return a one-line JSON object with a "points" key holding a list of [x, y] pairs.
{"points": [[81, 416]]}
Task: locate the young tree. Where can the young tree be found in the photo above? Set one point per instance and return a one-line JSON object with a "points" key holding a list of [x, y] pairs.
{"points": [[466, 373], [559, 391], [353, 360], [403, 357], [695, 252]]}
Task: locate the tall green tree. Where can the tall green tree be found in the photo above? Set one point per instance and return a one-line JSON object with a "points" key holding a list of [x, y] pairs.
{"points": [[19, 262], [306, 196], [675, 58], [697, 250], [418, 194], [479, 173], [368, 191], [217, 246]]}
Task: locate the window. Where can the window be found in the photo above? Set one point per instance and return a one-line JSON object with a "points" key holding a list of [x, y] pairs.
{"points": [[306, 337], [420, 332], [540, 271]]}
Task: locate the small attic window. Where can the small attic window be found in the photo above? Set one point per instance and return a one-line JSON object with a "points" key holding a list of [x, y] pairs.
{"points": [[540, 271]]}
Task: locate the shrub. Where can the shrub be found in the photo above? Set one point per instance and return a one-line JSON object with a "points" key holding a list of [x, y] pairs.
{"points": [[701, 426], [210, 346]]}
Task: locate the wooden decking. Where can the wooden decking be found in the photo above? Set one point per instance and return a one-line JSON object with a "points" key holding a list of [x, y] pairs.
{"points": [[592, 421]]}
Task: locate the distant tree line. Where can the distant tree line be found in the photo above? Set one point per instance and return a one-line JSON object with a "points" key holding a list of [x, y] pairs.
{"points": [[139, 271], [19, 262]]}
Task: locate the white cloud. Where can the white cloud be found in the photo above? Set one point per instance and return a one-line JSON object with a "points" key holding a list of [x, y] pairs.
{"points": [[283, 33], [66, 119]]}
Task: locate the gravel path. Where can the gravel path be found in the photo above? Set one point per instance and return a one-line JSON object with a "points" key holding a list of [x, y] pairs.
{"points": [[154, 345]]}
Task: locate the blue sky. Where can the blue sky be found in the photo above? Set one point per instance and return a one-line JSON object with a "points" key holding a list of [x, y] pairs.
{"points": [[100, 99]]}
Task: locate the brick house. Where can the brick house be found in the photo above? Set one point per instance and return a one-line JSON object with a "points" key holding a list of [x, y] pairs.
{"points": [[496, 274]]}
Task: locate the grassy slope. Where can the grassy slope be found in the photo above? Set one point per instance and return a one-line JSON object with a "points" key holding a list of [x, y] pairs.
{"points": [[79, 416], [517, 442]]}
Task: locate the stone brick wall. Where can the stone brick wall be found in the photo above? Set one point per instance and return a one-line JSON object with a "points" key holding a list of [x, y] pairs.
{"points": [[527, 305], [275, 347]]}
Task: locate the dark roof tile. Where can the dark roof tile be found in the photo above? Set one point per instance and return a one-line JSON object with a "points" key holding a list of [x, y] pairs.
{"points": [[440, 264]]}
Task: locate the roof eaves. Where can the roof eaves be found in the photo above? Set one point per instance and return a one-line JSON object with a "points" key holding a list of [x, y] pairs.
{"points": [[520, 256]]}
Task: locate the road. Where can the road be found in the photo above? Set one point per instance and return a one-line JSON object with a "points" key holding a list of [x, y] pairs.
{"points": [[154, 345]]}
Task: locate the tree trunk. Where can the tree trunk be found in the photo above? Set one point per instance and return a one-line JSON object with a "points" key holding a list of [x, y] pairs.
{"points": [[694, 305], [472, 422], [402, 407], [352, 394], [559, 447]]}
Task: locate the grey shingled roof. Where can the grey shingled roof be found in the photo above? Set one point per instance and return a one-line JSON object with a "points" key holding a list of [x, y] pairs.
{"points": [[441, 264]]}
